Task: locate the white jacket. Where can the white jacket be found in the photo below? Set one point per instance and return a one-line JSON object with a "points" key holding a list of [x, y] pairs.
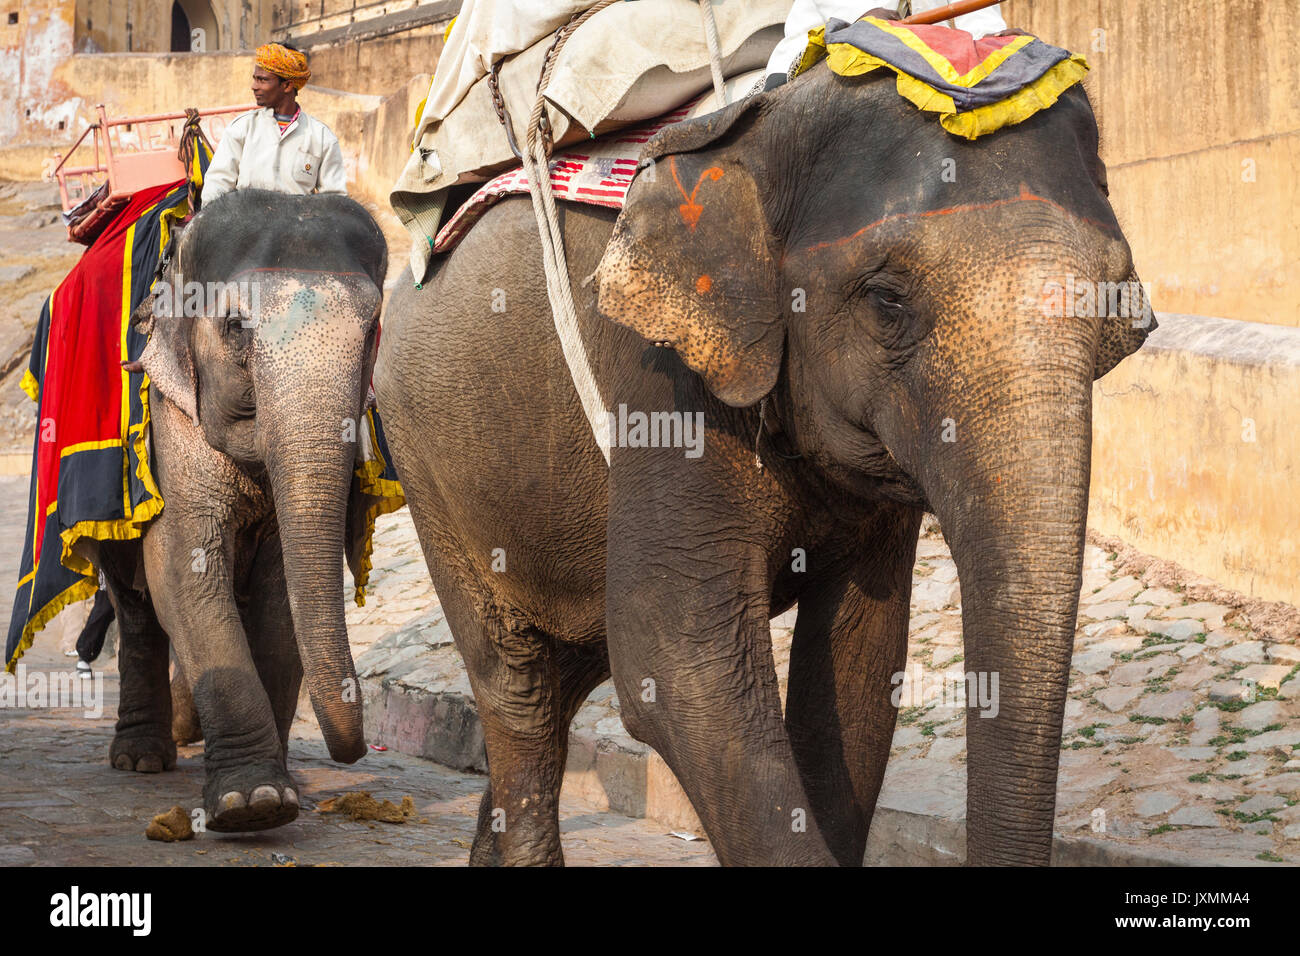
{"points": [[253, 155], [807, 15]]}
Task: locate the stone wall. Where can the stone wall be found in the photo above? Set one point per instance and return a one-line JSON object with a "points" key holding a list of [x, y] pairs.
{"points": [[31, 49], [1195, 456], [377, 66], [1201, 136], [145, 26], [1194, 450]]}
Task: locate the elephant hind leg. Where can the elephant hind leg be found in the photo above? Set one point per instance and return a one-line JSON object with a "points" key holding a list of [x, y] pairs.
{"points": [[527, 686], [850, 640], [143, 739], [527, 697], [185, 716]]}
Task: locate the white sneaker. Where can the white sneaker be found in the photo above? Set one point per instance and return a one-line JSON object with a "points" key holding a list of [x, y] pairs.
{"points": [[83, 670]]}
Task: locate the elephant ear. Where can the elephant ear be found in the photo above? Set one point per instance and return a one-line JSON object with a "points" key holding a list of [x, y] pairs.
{"points": [[1121, 336], [167, 358], [690, 264]]}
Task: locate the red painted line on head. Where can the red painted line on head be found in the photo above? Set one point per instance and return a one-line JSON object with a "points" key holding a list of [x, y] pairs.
{"points": [[1025, 196]]}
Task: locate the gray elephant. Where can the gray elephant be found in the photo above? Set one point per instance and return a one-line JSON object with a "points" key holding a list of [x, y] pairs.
{"points": [[879, 338], [255, 403]]}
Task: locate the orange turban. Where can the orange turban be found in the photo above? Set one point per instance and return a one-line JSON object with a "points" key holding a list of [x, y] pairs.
{"points": [[285, 63]]}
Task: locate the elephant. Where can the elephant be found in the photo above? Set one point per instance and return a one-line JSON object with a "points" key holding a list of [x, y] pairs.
{"points": [[250, 398], [866, 340]]}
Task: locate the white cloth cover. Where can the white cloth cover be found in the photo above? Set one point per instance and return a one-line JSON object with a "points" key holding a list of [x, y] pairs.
{"points": [[629, 62], [484, 32]]}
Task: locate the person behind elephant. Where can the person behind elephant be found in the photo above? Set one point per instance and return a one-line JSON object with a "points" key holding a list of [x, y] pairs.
{"points": [[807, 15], [277, 146]]}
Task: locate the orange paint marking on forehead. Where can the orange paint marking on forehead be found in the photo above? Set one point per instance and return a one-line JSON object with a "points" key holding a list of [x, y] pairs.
{"points": [[690, 210], [1025, 196], [704, 283]]}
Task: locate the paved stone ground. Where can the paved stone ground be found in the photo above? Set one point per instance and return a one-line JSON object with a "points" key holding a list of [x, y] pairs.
{"points": [[61, 803]]}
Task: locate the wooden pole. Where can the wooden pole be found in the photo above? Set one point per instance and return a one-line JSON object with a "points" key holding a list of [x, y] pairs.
{"points": [[951, 10]]}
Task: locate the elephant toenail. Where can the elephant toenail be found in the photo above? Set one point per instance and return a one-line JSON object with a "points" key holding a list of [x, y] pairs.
{"points": [[231, 801], [263, 795], [290, 797], [149, 763], [122, 762]]}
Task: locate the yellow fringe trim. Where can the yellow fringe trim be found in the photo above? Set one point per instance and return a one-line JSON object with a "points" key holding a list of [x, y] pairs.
{"points": [[85, 588], [847, 60], [389, 497], [30, 385]]}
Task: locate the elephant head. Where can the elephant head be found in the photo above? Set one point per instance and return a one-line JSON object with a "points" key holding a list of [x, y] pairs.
{"points": [[908, 304], [268, 345]]}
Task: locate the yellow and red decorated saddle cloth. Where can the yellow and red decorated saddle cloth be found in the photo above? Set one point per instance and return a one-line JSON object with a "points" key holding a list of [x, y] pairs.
{"points": [[91, 475], [976, 86]]}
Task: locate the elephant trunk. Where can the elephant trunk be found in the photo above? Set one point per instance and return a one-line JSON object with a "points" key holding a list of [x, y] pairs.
{"points": [[1014, 508], [310, 463]]}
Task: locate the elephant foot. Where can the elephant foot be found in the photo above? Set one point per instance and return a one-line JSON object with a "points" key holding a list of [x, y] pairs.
{"points": [[251, 797], [144, 749]]}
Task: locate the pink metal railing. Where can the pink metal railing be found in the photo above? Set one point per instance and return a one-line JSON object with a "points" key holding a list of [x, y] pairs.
{"points": [[133, 153]]}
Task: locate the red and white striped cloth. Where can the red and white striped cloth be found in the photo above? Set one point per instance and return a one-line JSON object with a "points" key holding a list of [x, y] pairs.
{"points": [[597, 172]]}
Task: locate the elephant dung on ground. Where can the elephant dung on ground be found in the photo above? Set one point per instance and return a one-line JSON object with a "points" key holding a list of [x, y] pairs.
{"points": [[880, 337]]}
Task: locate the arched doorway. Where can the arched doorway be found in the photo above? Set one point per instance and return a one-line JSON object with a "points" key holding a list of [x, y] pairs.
{"points": [[180, 30], [199, 23]]}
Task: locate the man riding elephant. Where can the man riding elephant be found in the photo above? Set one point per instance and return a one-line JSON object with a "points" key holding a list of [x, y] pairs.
{"points": [[277, 146]]}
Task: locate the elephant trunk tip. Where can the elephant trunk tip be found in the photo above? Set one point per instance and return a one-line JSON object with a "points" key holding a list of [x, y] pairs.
{"points": [[346, 751]]}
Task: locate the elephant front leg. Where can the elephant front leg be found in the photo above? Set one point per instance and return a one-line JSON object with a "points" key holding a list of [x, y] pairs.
{"points": [[850, 640], [269, 624], [142, 741], [692, 661], [247, 786]]}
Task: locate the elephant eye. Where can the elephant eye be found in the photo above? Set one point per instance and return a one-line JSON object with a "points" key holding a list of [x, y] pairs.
{"points": [[237, 323], [889, 303]]}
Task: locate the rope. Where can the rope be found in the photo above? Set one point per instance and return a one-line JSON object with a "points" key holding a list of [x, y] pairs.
{"points": [[715, 51], [558, 289], [191, 132]]}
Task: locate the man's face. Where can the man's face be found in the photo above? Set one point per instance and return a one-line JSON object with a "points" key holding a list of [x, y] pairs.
{"points": [[267, 87]]}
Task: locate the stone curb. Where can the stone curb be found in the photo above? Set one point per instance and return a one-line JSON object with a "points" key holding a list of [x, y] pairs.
{"points": [[904, 838]]}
